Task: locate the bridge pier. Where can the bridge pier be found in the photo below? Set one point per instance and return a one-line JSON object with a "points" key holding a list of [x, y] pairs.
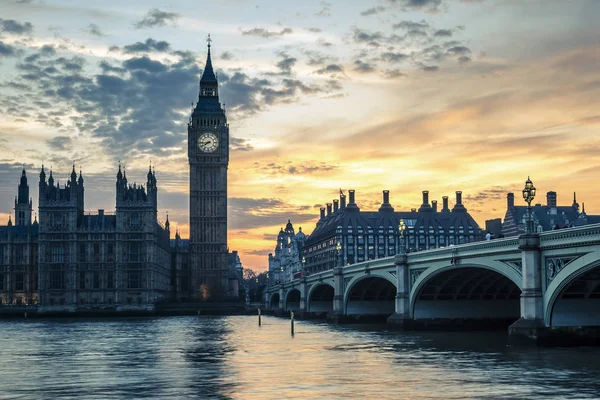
{"points": [[337, 314], [530, 328], [401, 319]]}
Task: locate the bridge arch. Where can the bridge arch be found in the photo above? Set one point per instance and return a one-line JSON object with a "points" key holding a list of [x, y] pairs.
{"points": [[320, 298], [573, 296], [370, 294], [292, 300], [467, 292], [274, 301]]}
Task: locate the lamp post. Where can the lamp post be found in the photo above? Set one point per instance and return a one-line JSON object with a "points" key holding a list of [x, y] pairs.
{"points": [[528, 196], [304, 267], [402, 229], [338, 248]]}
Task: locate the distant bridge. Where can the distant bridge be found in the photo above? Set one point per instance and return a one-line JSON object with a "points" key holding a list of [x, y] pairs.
{"points": [[541, 281]]}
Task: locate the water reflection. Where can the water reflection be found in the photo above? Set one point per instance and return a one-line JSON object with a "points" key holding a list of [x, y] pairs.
{"points": [[231, 357]]}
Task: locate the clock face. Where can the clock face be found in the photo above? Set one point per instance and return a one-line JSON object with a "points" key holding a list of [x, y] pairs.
{"points": [[208, 143]]}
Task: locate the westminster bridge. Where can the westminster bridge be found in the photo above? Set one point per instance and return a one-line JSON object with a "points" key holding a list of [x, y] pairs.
{"points": [[547, 285]]}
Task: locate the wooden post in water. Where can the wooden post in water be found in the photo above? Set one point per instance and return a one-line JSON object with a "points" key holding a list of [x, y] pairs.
{"points": [[292, 321], [259, 317], [25, 314]]}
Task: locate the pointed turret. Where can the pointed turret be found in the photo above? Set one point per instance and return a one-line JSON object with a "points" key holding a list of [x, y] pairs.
{"points": [[80, 180], [575, 204], [51, 179], [9, 221], [167, 224], [42, 175], [208, 81], [73, 176], [23, 189]]}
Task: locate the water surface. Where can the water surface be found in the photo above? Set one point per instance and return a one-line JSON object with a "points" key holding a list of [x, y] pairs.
{"points": [[231, 357]]}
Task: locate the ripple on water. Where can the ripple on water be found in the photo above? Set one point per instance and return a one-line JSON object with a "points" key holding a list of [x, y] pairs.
{"points": [[231, 357]]}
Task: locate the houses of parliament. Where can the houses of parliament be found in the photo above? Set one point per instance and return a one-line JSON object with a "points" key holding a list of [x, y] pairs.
{"points": [[125, 260]]}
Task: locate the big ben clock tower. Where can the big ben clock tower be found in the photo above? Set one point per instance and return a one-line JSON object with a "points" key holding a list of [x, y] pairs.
{"points": [[208, 152]]}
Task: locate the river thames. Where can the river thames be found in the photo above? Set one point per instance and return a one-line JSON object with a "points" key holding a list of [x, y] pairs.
{"points": [[231, 357]]}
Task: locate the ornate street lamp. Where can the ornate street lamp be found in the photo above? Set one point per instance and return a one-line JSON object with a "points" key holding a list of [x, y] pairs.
{"points": [[528, 196], [402, 229], [304, 267], [338, 248]]}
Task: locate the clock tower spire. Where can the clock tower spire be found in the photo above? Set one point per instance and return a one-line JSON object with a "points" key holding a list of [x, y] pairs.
{"points": [[208, 155]]}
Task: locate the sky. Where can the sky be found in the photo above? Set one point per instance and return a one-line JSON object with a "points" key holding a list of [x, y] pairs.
{"points": [[398, 95]]}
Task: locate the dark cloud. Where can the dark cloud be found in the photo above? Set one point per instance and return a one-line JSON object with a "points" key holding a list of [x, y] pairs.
{"points": [[318, 58], [420, 26], [286, 64], [7, 50], [315, 30], [429, 5], [261, 32], [459, 50], [330, 69], [226, 56], [443, 33], [248, 213], [237, 144], [429, 68], [394, 57], [155, 17], [94, 30], [149, 46], [363, 67], [362, 36], [464, 59], [60, 143], [372, 11], [15, 27]]}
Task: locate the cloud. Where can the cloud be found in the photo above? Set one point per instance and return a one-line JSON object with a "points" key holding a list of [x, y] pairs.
{"points": [[15, 27], [363, 67], [60, 143], [325, 10], [392, 57], [237, 144], [252, 213], [330, 69], [263, 252], [94, 30], [291, 168], [7, 50], [315, 30], [149, 46], [443, 33], [430, 5], [393, 73], [157, 18], [265, 33], [226, 56], [286, 64], [372, 11]]}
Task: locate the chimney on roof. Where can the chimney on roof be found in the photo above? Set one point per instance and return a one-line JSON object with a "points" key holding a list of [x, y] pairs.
{"points": [[342, 200], [351, 203], [434, 205], [458, 207], [336, 204], [551, 199], [413, 210], [386, 206], [328, 209], [445, 204], [510, 201], [322, 209], [425, 206]]}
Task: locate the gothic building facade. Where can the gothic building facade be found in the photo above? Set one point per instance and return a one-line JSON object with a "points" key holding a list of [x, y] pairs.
{"points": [[118, 260], [208, 155], [286, 261]]}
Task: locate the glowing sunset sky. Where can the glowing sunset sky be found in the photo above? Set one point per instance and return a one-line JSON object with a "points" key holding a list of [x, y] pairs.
{"points": [[405, 95]]}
